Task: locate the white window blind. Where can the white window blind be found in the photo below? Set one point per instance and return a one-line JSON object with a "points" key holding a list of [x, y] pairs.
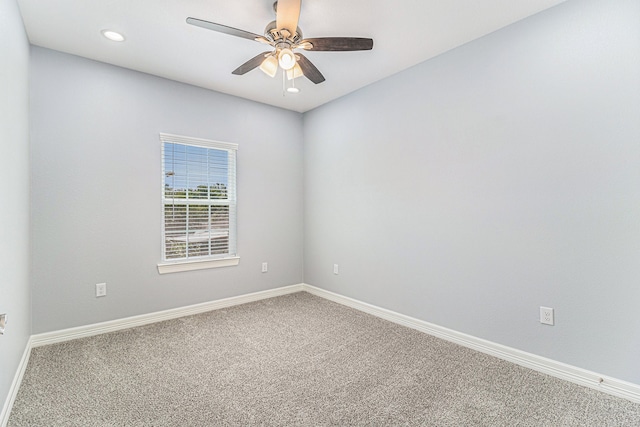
{"points": [[199, 198]]}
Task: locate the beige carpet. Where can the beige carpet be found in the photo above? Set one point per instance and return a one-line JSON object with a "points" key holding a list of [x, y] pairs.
{"points": [[293, 360]]}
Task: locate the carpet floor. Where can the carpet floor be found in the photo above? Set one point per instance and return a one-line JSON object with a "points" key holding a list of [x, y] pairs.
{"points": [[295, 360]]}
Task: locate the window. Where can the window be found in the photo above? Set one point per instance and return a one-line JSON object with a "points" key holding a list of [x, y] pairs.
{"points": [[198, 203]]}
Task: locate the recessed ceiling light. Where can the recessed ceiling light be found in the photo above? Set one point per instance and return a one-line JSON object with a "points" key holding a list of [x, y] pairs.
{"points": [[113, 35]]}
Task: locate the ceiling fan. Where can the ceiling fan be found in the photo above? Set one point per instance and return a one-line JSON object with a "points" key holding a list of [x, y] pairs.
{"points": [[284, 36]]}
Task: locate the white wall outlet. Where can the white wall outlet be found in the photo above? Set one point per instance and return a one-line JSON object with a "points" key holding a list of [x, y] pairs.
{"points": [[3, 323], [101, 289], [265, 267], [546, 315], [335, 269]]}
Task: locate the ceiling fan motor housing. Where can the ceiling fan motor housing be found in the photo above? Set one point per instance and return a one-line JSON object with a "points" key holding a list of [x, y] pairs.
{"points": [[273, 34]]}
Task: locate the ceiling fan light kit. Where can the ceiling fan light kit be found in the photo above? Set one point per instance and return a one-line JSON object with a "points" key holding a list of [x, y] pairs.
{"points": [[295, 72], [269, 66], [280, 35], [286, 59]]}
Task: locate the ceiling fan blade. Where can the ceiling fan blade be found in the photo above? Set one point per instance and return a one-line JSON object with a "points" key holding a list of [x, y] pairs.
{"points": [[224, 29], [250, 64], [287, 15], [309, 70], [336, 44]]}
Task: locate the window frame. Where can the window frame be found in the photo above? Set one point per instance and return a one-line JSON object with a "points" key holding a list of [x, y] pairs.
{"points": [[231, 258]]}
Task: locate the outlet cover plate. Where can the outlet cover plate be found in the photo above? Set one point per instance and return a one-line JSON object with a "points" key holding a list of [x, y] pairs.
{"points": [[101, 289], [546, 316]]}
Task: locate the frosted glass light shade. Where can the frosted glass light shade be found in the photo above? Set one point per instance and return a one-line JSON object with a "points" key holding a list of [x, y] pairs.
{"points": [[269, 66], [295, 72], [287, 59]]}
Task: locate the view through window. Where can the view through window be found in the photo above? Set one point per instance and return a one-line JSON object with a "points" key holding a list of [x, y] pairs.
{"points": [[199, 198]]}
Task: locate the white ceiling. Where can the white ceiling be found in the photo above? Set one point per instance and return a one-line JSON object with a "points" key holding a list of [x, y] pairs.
{"points": [[159, 42]]}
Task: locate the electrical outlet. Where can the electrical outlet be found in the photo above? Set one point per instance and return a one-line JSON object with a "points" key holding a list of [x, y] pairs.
{"points": [[265, 267], [335, 269], [101, 289], [546, 315], [3, 322]]}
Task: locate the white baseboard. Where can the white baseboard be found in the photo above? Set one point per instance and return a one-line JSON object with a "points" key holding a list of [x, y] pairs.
{"points": [[15, 385], [129, 322], [541, 364], [145, 319], [556, 369]]}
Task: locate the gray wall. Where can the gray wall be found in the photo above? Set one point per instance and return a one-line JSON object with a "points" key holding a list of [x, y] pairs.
{"points": [[466, 191], [501, 176], [14, 176], [96, 188]]}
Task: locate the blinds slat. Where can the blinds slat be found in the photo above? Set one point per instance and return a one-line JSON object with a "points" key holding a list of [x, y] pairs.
{"points": [[198, 197]]}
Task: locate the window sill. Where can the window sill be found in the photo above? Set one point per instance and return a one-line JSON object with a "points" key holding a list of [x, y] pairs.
{"points": [[176, 267]]}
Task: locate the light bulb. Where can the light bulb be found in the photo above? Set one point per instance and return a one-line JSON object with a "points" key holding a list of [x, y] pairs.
{"points": [[287, 59]]}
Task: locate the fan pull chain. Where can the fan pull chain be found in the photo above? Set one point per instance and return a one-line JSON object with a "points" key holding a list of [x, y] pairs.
{"points": [[284, 83]]}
